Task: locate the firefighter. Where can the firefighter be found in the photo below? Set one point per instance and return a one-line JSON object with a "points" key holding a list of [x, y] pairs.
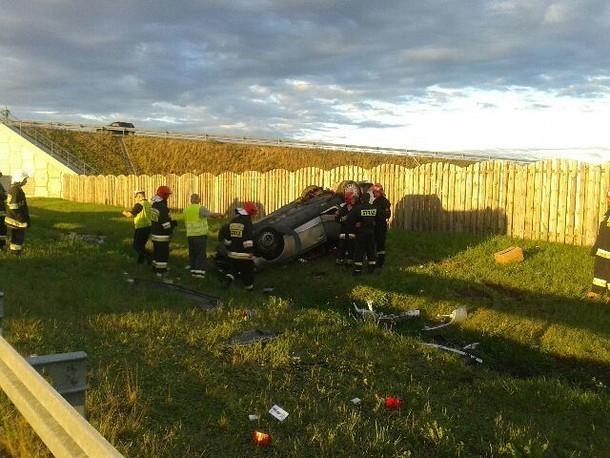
{"points": [[240, 245], [2, 216], [363, 217], [196, 222], [384, 211], [161, 230], [17, 212], [601, 251], [141, 220], [347, 231]]}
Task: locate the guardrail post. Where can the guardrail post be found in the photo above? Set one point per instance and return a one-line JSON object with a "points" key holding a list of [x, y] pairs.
{"points": [[68, 374]]}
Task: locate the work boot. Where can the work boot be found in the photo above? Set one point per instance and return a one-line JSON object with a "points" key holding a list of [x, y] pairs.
{"points": [[226, 282], [357, 273]]}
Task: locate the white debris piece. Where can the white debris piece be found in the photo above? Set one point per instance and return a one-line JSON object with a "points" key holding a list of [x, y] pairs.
{"points": [[278, 412], [457, 316]]}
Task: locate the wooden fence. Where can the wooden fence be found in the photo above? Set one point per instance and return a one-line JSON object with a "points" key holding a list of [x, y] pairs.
{"points": [[554, 200]]}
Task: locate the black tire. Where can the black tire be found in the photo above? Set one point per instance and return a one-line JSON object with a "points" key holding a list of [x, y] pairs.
{"points": [[268, 243]]}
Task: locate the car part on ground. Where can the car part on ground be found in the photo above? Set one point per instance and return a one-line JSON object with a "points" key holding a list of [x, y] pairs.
{"points": [[205, 301]]}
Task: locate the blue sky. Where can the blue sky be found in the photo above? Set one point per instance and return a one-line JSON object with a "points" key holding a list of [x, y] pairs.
{"points": [[520, 76]]}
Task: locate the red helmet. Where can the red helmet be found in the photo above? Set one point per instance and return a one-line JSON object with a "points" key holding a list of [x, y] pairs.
{"points": [[348, 196], [250, 208], [377, 188], [164, 192]]}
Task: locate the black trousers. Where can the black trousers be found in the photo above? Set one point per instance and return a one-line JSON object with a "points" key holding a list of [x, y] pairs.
{"points": [[140, 238], [3, 232], [381, 232], [346, 247], [601, 275], [365, 244], [243, 267], [197, 253], [17, 240], [160, 256]]}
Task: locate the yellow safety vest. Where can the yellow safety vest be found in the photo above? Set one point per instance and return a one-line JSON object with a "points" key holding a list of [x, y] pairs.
{"points": [[142, 219], [194, 224]]}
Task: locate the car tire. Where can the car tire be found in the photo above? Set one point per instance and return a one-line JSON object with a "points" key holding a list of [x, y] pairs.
{"points": [[268, 243]]}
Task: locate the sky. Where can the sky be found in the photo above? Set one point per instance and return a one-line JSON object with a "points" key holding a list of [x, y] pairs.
{"points": [[516, 77]]}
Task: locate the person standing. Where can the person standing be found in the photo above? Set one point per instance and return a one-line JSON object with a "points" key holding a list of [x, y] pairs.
{"points": [[142, 222], [161, 230], [601, 251], [196, 222], [384, 212], [347, 231], [17, 212], [240, 245], [363, 217], [3, 231]]}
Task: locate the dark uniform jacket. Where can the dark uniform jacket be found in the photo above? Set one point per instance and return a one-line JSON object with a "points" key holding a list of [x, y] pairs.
{"points": [[363, 217], [17, 212], [347, 224], [240, 237], [384, 209], [162, 224], [601, 247], [2, 201]]}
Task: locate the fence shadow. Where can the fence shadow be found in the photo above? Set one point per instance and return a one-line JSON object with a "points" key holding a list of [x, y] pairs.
{"points": [[421, 212]]}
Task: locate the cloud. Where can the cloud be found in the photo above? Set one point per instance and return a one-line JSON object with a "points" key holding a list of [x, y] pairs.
{"points": [[341, 70]]}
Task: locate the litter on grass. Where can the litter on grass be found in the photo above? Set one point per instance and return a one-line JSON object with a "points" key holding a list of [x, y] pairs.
{"points": [[392, 403], [383, 318], [457, 316], [205, 301], [278, 412], [252, 336], [261, 438], [356, 401], [469, 356]]}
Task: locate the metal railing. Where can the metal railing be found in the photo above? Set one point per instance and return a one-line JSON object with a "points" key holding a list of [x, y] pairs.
{"points": [[64, 431]]}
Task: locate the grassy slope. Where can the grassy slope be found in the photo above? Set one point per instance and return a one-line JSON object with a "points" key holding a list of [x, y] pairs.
{"points": [[161, 383], [159, 156]]}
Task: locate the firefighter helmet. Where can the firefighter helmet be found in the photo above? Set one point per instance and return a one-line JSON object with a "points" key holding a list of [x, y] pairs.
{"points": [[377, 188], [250, 208], [349, 195], [19, 175], [164, 191]]}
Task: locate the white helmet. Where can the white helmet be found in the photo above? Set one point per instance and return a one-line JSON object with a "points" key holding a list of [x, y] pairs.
{"points": [[19, 175]]}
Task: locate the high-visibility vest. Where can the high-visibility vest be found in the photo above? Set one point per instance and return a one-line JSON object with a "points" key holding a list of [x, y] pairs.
{"points": [[142, 219], [194, 224]]}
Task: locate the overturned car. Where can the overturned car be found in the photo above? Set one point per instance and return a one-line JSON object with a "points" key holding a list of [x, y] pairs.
{"points": [[297, 227]]}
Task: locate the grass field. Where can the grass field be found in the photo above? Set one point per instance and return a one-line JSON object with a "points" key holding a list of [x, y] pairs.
{"points": [[161, 382]]}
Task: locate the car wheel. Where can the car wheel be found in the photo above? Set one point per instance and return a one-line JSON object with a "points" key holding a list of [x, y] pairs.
{"points": [[269, 243]]}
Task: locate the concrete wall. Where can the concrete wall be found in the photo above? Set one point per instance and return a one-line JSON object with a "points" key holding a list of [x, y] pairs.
{"points": [[16, 153]]}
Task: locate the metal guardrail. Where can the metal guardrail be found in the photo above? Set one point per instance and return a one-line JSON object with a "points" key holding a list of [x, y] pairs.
{"points": [[64, 431], [472, 157]]}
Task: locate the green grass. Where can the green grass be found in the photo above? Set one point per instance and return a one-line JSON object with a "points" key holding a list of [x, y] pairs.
{"points": [[161, 383]]}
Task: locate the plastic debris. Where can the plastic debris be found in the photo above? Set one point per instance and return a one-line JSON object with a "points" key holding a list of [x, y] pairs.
{"points": [[249, 313], [392, 403], [356, 401], [252, 336], [278, 412], [253, 417], [457, 316], [461, 352], [382, 318], [261, 438], [268, 290], [205, 301]]}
